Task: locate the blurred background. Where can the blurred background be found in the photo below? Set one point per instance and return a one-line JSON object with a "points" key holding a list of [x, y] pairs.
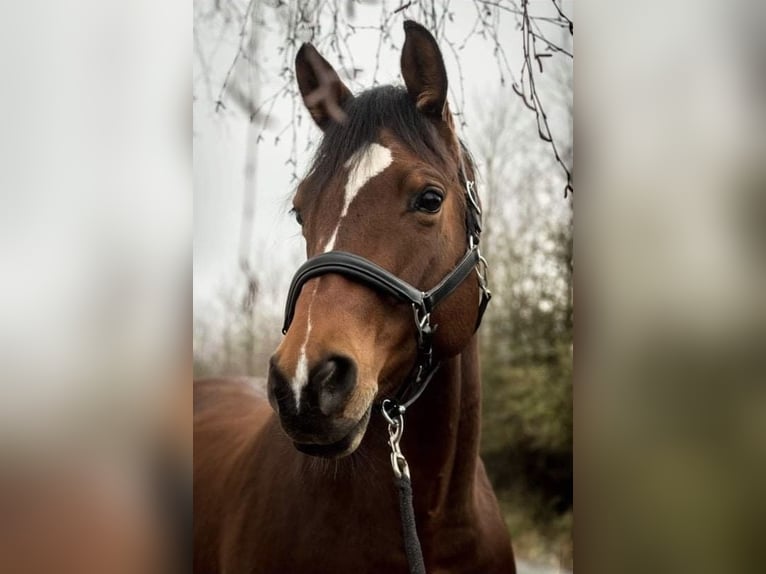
{"points": [[95, 294], [670, 405], [510, 68]]}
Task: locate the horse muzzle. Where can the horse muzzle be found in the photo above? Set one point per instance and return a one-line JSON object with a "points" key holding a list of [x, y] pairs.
{"points": [[315, 412]]}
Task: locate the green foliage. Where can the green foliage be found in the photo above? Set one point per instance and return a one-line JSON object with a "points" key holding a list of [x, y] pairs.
{"points": [[527, 389], [527, 344]]}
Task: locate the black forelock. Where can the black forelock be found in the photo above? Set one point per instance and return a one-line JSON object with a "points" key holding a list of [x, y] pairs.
{"points": [[388, 107]]}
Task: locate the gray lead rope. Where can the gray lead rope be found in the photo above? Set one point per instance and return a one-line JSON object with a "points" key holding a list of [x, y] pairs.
{"points": [[412, 548], [409, 530]]}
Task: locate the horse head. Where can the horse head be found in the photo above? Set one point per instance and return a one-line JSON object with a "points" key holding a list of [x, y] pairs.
{"points": [[388, 184]]}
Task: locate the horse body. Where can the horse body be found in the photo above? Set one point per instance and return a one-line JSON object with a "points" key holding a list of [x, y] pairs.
{"points": [[262, 506]]}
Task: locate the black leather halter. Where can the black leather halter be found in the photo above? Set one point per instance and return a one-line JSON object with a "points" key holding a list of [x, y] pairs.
{"points": [[423, 302]]}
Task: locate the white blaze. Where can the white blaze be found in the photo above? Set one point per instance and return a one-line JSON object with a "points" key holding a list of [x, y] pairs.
{"points": [[301, 376], [301, 370], [362, 166]]}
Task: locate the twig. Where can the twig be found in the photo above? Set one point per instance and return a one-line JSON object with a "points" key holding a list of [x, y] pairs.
{"points": [[403, 7], [240, 49]]}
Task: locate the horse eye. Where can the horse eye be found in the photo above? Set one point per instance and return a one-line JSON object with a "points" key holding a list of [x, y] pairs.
{"points": [[297, 215], [430, 201]]}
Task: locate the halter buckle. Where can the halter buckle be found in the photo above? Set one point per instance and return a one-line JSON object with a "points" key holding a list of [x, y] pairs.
{"points": [[422, 322]]}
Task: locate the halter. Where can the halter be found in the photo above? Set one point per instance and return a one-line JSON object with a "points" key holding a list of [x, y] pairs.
{"points": [[423, 303]]}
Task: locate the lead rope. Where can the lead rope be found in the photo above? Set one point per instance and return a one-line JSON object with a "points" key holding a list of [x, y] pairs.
{"points": [[412, 547]]}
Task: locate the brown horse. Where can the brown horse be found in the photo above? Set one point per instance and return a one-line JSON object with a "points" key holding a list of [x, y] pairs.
{"points": [[302, 482]]}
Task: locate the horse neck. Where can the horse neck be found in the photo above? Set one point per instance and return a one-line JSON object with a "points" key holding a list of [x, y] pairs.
{"points": [[441, 438]]}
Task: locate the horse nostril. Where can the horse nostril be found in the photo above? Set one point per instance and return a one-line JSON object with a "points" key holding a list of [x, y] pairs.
{"points": [[333, 381], [324, 373], [277, 386]]}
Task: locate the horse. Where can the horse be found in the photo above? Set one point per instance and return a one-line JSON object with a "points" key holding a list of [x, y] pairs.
{"points": [[299, 480]]}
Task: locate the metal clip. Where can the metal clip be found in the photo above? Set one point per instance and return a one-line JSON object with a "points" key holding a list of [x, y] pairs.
{"points": [[422, 322], [395, 432]]}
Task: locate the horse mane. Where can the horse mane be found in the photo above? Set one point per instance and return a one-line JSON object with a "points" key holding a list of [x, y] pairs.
{"points": [[383, 107]]}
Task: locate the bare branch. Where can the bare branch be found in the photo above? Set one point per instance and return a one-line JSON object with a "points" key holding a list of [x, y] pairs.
{"points": [[240, 51], [403, 7]]}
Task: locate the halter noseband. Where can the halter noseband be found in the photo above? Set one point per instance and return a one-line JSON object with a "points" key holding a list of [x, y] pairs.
{"points": [[372, 275]]}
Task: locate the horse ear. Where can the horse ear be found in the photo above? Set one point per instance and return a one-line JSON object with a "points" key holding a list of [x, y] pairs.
{"points": [[324, 94], [423, 70]]}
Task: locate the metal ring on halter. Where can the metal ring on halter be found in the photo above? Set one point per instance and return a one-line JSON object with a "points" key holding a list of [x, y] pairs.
{"points": [[471, 193], [387, 405], [482, 270]]}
